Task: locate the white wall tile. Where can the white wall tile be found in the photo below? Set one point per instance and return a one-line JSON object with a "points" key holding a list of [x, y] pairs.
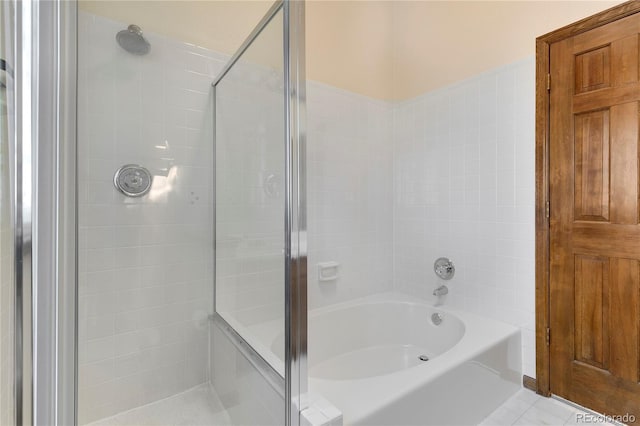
{"points": [[482, 211], [142, 261], [349, 186]]}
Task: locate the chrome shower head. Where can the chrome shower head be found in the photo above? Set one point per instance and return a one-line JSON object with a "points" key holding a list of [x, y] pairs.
{"points": [[133, 41]]}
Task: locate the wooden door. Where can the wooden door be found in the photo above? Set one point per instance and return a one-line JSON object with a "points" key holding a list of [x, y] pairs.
{"points": [[594, 228]]}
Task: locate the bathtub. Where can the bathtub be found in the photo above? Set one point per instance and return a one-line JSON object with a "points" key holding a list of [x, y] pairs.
{"points": [[364, 357], [382, 360]]}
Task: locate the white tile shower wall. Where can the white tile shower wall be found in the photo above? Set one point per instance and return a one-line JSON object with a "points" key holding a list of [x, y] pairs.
{"points": [[464, 188], [350, 185], [145, 264], [250, 195]]}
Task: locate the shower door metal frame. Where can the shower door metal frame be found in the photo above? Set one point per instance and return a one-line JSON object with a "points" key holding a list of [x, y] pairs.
{"points": [[55, 286], [268, 372], [295, 211], [45, 212], [22, 216], [16, 68], [295, 220]]}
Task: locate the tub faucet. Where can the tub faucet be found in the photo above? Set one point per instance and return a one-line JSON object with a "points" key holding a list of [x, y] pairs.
{"points": [[441, 291]]}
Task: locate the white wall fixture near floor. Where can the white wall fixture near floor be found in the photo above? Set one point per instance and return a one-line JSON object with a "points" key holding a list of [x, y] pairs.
{"points": [[464, 188], [145, 264]]}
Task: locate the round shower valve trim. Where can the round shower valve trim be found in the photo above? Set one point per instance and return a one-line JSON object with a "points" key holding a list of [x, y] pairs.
{"points": [[444, 268], [133, 180]]}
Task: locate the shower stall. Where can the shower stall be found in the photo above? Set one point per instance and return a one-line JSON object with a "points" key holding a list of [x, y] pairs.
{"points": [[153, 222], [156, 244]]}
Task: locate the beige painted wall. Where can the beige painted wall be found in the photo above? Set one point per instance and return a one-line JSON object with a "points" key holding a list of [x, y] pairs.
{"points": [[439, 42], [350, 45], [383, 49]]}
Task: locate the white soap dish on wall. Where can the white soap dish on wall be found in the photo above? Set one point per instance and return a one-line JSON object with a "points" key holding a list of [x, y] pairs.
{"points": [[328, 271]]}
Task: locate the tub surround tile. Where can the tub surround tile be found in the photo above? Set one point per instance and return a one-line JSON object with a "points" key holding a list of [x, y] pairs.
{"points": [[464, 188], [349, 184], [462, 174]]}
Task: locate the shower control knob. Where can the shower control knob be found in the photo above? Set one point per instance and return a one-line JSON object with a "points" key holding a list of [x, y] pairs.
{"points": [[444, 268], [133, 180]]}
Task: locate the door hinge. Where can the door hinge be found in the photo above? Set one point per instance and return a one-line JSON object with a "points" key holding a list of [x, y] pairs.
{"points": [[548, 336], [547, 210], [548, 82]]}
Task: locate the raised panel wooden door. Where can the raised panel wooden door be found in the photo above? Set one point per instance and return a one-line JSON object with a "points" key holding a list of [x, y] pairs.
{"points": [[595, 232]]}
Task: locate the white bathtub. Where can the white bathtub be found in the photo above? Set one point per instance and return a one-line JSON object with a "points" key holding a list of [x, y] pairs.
{"points": [[363, 358]]}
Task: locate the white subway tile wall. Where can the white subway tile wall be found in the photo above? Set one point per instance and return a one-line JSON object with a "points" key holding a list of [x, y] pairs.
{"points": [[464, 188], [350, 184], [145, 264]]}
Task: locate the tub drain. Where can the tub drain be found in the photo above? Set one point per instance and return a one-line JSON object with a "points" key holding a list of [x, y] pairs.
{"points": [[423, 358]]}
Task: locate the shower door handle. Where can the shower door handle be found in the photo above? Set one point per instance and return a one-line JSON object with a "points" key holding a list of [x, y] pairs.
{"points": [[4, 66]]}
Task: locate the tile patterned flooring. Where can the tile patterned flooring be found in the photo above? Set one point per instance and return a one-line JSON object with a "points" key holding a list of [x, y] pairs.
{"points": [[200, 406], [528, 408]]}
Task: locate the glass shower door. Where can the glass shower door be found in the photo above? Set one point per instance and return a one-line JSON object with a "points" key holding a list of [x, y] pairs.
{"points": [[260, 281], [250, 206]]}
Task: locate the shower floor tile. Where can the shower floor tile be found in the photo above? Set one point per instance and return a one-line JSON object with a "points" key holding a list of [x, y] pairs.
{"points": [[197, 406], [529, 409]]}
